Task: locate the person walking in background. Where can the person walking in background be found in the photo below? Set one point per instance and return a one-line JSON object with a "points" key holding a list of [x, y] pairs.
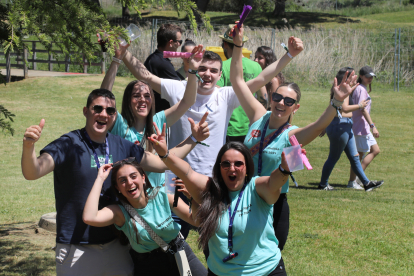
{"points": [[341, 138], [188, 47], [364, 139], [168, 39], [264, 56], [239, 123]]}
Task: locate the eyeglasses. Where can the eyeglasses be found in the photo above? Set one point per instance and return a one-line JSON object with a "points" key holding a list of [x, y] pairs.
{"points": [[225, 165], [287, 100], [99, 108], [128, 160], [179, 41]]}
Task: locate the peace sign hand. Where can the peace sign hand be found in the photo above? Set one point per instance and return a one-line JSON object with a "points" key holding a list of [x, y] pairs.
{"points": [[200, 131], [158, 141]]}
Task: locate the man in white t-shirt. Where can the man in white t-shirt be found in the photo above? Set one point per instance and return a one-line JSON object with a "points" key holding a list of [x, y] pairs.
{"points": [[219, 102]]}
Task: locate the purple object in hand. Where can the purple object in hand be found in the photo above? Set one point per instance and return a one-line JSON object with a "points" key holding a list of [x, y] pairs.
{"points": [[167, 54], [244, 14]]}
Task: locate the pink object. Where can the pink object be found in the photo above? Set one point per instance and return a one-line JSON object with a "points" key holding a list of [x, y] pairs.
{"points": [[305, 160], [180, 54]]}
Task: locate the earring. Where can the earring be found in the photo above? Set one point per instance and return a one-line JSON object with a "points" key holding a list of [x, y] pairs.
{"points": [[246, 174], [294, 112], [119, 192]]}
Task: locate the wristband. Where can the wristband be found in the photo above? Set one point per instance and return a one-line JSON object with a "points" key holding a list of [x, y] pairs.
{"points": [[372, 125], [238, 45], [285, 172], [117, 60], [197, 142], [360, 106], [191, 71], [337, 103], [287, 50], [289, 55], [165, 156]]}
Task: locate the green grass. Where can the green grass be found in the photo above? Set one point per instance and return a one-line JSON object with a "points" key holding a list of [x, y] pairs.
{"points": [[343, 232]]}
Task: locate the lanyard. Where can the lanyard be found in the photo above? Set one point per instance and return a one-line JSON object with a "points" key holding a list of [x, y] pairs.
{"points": [[230, 237], [94, 152], [259, 167]]}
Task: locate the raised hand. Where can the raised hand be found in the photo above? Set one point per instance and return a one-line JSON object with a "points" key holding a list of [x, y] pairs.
{"points": [[295, 46], [200, 131], [181, 187], [158, 140], [194, 61], [33, 133], [104, 171], [345, 88], [238, 38]]}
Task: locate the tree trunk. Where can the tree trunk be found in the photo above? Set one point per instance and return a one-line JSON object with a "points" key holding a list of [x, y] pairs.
{"points": [[125, 12], [202, 5], [280, 6]]}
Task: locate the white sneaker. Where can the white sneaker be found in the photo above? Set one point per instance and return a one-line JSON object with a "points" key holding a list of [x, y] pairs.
{"points": [[359, 182], [354, 185]]}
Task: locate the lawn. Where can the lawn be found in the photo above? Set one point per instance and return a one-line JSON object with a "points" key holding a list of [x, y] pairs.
{"points": [[343, 232]]}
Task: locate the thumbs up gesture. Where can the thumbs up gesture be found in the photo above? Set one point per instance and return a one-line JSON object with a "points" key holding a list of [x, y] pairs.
{"points": [[33, 133], [200, 131]]}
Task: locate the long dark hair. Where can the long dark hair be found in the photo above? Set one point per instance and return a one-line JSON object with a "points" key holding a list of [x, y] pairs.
{"points": [[129, 115], [270, 57], [216, 197]]}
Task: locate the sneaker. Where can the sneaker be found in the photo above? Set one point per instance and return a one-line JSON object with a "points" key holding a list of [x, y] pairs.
{"points": [[359, 182], [326, 188], [373, 184], [354, 185]]}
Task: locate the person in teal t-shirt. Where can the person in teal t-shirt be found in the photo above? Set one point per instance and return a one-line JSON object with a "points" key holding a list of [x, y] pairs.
{"points": [[239, 123], [135, 122], [270, 131], [154, 206]]}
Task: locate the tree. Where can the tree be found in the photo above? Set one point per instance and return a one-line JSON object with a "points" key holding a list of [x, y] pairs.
{"points": [[71, 24], [4, 123], [280, 7]]}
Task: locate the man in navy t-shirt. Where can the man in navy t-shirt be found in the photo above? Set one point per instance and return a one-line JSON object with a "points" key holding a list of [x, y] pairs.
{"points": [[75, 159]]}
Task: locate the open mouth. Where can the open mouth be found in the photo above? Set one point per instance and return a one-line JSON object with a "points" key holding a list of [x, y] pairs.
{"points": [[232, 177], [101, 123], [131, 191], [142, 107]]}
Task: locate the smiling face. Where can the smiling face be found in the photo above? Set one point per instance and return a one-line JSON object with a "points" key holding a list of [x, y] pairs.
{"points": [[209, 71], [279, 109], [141, 101], [234, 176], [98, 124], [259, 58], [131, 184]]}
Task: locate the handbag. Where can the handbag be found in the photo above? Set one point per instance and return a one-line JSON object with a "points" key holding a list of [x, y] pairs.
{"points": [[179, 255]]}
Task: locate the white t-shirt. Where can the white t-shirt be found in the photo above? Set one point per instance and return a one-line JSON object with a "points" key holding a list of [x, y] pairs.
{"points": [[220, 105]]}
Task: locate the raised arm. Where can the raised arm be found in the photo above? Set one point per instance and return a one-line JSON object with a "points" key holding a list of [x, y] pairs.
{"points": [[269, 187], [35, 167], [111, 214], [295, 46], [109, 79], [140, 71], [175, 112], [307, 134], [253, 109]]}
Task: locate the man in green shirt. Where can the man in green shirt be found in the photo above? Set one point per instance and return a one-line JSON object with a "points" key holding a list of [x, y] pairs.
{"points": [[239, 123]]}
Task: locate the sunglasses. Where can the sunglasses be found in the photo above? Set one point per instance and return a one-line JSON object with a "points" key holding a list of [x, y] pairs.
{"points": [[225, 165], [128, 160], [99, 108], [287, 101], [179, 41]]}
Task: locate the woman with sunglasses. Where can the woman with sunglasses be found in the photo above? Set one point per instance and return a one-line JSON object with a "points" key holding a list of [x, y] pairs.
{"points": [[341, 138], [134, 189], [234, 210], [135, 122], [265, 56]]}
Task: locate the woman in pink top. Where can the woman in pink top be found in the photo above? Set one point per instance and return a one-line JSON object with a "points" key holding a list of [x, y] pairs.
{"points": [[364, 139]]}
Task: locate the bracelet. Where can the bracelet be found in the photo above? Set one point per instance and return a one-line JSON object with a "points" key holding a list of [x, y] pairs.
{"points": [[197, 142], [165, 156], [191, 71], [372, 125], [360, 106], [287, 50], [289, 55], [285, 172], [117, 60], [238, 45]]}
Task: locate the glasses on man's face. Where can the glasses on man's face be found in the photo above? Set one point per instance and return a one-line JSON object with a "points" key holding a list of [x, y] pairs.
{"points": [[128, 160], [99, 108], [179, 41], [287, 100], [225, 165]]}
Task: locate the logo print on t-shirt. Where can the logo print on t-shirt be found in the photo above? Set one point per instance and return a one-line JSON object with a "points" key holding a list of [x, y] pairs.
{"points": [[255, 133], [101, 159]]}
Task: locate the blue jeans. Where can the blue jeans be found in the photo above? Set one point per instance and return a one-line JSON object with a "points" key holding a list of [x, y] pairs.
{"points": [[341, 139]]}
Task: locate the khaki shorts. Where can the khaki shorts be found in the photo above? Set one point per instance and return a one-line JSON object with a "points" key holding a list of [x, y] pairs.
{"points": [[365, 142], [110, 258]]}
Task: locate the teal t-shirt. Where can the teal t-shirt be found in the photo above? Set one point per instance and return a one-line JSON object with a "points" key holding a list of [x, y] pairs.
{"points": [[239, 122], [253, 237], [157, 214], [121, 129], [272, 154]]}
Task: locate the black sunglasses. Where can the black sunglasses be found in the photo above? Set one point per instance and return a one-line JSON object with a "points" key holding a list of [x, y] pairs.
{"points": [[99, 108], [179, 41], [225, 165], [128, 160], [287, 100]]}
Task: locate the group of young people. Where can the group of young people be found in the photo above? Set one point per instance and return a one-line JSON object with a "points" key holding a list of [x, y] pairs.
{"points": [[110, 173]]}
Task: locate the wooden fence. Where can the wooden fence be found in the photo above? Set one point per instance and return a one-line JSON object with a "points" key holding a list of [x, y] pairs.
{"points": [[22, 61]]}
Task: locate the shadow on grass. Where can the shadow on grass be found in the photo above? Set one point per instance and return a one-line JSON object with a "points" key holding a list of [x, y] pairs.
{"points": [[315, 186], [20, 255]]}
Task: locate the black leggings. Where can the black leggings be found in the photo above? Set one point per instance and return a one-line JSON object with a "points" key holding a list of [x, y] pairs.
{"points": [[281, 220]]}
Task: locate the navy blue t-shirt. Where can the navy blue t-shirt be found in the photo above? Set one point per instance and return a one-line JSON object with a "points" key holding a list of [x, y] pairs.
{"points": [[74, 175]]}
